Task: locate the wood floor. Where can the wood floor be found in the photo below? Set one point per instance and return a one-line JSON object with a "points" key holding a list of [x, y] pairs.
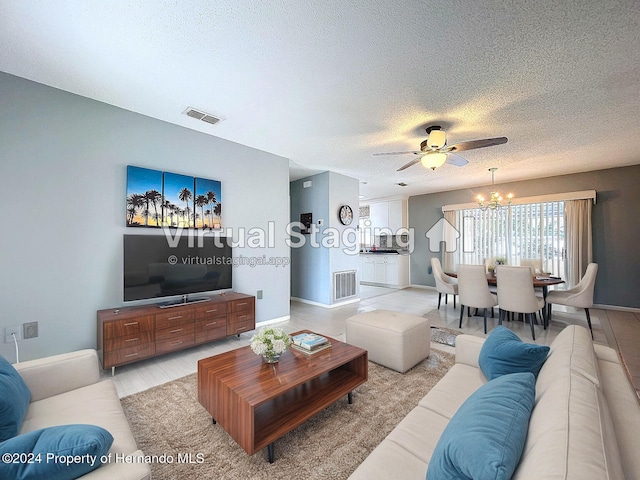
{"points": [[619, 330]]}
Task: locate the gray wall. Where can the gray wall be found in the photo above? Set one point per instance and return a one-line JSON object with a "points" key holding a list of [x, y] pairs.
{"points": [[63, 165], [616, 230], [312, 267]]}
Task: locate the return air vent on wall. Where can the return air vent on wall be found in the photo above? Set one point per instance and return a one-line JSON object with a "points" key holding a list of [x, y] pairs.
{"points": [[200, 115], [344, 284]]}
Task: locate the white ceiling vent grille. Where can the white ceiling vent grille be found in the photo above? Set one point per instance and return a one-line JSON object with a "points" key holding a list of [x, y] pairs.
{"points": [[200, 115]]}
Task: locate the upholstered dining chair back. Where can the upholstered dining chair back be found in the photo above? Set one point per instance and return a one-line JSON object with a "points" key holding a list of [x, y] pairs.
{"points": [[516, 293], [444, 283], [580, 296], [534, 263], [473, 289], [515, 290]]}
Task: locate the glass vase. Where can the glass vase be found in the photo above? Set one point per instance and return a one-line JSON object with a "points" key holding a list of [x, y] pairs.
{"points": [[271, 357]]}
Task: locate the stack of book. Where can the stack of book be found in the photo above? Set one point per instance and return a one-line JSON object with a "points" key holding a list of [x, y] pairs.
{"points": [[310, 343]]}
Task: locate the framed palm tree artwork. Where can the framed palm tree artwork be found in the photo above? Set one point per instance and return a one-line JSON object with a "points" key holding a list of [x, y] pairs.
{"points": [[208, 203], [144, 197], [178, 200]]}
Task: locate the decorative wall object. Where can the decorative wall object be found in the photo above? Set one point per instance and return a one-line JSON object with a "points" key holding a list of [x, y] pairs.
{"points": [[178, 200], [144, 197], [207, 199], [156, 199]]}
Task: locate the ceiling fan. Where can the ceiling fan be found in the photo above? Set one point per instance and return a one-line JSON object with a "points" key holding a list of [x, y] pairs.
{"points": [[434, 151]]}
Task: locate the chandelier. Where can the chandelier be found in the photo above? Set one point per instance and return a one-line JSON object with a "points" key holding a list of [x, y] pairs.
{"points": [[495, 203]]}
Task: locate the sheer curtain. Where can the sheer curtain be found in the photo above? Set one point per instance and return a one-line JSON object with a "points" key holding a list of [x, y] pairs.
{"points": [[577, 215], [448, 258]]}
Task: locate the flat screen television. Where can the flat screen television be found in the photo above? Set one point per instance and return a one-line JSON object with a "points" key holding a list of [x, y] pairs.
{"points": [[158, 266]]}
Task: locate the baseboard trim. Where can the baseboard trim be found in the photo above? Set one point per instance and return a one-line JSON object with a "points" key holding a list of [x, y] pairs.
{"points": [[273, 320], [615, 307], [324, 305]]}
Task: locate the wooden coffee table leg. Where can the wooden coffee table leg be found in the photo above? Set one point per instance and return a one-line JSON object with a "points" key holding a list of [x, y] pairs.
{"points": [[270, 452], [350, 397]]}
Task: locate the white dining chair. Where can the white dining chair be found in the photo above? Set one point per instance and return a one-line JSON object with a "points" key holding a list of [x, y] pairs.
{"points": [[580, 296], [473, 291], [534, 263], [516, 293], [444, 283]]}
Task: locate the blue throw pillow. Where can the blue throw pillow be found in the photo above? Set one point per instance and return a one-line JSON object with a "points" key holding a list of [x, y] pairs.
{"points": [[54, 453], [486, 436], [14, 400], [503, 353]]}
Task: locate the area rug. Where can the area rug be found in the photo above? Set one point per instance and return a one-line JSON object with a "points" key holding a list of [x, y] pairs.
{"points": [[444, 336], [168, 422]]}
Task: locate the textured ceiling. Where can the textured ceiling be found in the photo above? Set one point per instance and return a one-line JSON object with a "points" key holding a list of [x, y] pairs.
{"points": [[328, 83]]}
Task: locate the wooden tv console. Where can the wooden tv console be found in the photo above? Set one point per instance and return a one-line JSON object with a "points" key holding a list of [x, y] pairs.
{"points": [[129, 334]]}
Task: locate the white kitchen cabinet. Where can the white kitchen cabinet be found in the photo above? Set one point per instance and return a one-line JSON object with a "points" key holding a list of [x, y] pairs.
{"points": [[396, 216], [384, 269], [392, 275], [389, 215], [379, 215], [367, 272]]}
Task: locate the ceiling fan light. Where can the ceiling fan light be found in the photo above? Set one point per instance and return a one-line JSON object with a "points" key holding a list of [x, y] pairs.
{"points": [[433, 160], [437, 139]]}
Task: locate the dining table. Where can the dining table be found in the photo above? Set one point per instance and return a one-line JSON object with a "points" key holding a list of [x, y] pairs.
{"points": [[538, 280]]}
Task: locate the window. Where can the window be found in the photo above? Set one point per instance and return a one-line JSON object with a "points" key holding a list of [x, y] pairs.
{"points": [[533, 231]]}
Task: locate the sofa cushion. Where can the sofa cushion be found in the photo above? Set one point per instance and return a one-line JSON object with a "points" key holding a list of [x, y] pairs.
{"points": [[572, 349], [55, 453], [14, 400], [571, 434], [486, 436], [96, 404], [503, 352]]}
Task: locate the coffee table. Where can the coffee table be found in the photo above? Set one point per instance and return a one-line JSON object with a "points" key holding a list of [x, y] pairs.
{"points": [[257, 403]]}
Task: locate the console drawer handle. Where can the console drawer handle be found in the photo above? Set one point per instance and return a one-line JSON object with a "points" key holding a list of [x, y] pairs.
{"points": [[132, 339], [176, 331], [176, 343], [130, 324], [242, 317], [175, 318], [131, 355], [212, 323], [240, 328], [212, 311], [241, 304]]}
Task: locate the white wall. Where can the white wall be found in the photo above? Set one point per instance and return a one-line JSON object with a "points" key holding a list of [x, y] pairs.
{"points": [[63, 165]]}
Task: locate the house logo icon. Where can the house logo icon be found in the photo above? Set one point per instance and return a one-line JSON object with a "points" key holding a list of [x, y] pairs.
{"points": [[443, 231]]}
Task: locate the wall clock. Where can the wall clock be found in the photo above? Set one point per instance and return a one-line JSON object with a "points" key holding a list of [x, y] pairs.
{"points": [[345, 214]]}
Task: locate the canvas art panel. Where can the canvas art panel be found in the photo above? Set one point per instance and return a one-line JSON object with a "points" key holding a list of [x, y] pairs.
{"points": [[144, 197], [208, 203]]}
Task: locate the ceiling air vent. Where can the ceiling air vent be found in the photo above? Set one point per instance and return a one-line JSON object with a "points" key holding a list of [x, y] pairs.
{"points": [[200, 115]]}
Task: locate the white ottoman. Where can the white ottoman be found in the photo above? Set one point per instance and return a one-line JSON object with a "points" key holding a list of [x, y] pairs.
{"points": [[393, 339]]}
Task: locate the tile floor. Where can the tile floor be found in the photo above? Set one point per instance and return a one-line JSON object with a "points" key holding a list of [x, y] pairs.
{"points": [[620, 330]]}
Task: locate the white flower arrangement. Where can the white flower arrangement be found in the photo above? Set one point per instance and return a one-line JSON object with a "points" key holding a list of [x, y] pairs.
{"points": [[270, 341]]}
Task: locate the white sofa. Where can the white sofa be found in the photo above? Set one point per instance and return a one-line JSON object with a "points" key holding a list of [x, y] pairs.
{"points": [[585, 422], [66, 389]]}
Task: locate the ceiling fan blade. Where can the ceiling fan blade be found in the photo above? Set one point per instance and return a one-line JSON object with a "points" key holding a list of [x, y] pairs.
{"points": [[396, 153], [457, 160], [410, 164], [487, 142]]}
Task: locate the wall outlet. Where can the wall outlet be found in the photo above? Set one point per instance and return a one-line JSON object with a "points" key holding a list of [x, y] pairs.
{"points": [[259, 295], [8, 337], [29, 330]]}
